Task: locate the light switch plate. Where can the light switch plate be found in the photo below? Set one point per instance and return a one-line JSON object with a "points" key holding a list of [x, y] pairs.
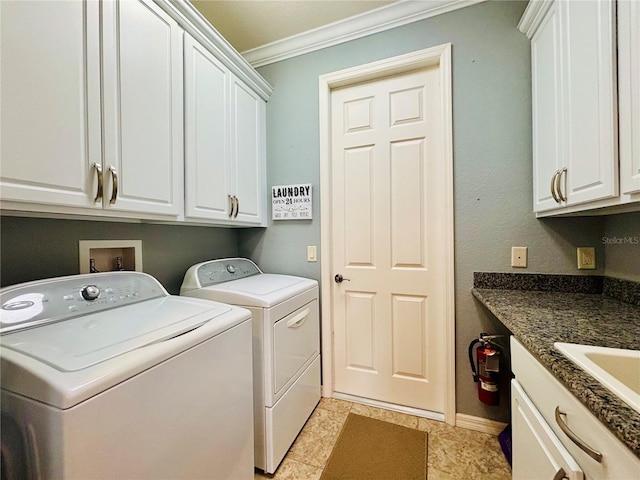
{"points": [[586, 258], [311, 253], [519, 257]]}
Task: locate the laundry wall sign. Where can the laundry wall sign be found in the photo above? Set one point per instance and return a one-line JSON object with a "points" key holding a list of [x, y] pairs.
{"points": [[291, 202]]}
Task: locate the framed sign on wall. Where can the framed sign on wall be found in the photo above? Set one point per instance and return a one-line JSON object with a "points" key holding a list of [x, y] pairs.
{"points": [[291, 202]]}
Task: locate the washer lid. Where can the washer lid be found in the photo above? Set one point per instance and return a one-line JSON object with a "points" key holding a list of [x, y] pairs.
{"points": [[263, 290], [82, 342]]}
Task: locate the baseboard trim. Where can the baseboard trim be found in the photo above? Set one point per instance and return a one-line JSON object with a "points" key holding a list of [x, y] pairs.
{"points": [[479, 424], [390, 406]]}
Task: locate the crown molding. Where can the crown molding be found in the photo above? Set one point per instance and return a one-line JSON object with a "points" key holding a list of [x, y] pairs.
{"points": [[378, 20]]}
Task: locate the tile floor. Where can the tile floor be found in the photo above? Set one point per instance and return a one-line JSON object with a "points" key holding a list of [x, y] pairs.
{"points": [[453, 453]]}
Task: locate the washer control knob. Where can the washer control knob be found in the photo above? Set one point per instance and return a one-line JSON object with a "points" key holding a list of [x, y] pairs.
{"points": [[231, 268], [90, 292]]}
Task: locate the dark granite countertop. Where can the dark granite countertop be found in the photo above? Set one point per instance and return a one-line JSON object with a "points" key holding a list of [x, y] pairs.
{"points": [[540, 318]]}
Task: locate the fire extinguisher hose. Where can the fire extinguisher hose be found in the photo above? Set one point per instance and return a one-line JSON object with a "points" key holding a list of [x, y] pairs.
{"points": [[473, 367]]}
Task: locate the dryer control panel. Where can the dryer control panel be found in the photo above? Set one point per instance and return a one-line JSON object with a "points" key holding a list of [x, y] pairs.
{"points": [[225, 270], [36, 303]]}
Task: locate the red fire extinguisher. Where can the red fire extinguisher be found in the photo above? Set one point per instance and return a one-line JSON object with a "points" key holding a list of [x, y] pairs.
{"points": [[487, 375]]}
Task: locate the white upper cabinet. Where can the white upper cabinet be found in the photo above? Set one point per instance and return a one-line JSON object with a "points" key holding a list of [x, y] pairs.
{"points": [[207, 162], [143, 110], [50, 134], [95, 99], [225, 147], [60, 112], [575, 119], [629, 95], [248, 146]]}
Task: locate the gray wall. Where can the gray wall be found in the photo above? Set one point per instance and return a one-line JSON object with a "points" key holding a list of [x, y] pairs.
{"points": [[33, 248], [621, 239], [492, 161]]}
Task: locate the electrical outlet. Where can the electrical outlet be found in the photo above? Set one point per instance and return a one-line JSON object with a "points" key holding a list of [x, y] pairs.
{"points": [[586, 258], [519, 257], [311, 253]]}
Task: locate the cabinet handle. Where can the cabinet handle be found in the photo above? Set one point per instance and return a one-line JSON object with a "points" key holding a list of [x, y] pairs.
{"points": [[560, 475], [561, 174], [231, 204], [99, 191], [553, 186], [597, 456], [237, 206], [114, 189]]}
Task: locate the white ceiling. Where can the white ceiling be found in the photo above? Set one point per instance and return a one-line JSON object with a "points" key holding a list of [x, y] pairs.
{"points": [[247, 24]]}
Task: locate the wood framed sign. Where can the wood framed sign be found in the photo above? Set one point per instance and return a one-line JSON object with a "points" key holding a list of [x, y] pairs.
{"points": [[291, 202]]}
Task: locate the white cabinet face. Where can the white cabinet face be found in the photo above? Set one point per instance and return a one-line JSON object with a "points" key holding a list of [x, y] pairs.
{"points": [[50, 100], [629, 95], [546, 61], [207, 166], [247, 147], [143, 120]]}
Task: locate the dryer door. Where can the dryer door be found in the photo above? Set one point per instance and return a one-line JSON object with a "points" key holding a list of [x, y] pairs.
{"points": [[296, 342]]}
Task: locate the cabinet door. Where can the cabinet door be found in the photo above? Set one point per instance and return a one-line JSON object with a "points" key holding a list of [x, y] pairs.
{"points": [[546, 66], [590, 149], [50, 102], [207, 166], [143, 108], [629, 95], [248, 152], [537, 452]]}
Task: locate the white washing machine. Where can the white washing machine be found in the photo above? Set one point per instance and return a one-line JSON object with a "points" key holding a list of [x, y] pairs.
{"points": [[286, 346], [108, 376]]}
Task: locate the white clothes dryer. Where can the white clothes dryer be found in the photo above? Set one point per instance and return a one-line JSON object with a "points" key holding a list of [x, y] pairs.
{"points": [[108, 376], [286, 346]]}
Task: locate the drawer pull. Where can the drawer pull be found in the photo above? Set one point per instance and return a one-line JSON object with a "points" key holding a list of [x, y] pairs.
{"points": [[299, 319], [560, 475], [597, 456]]}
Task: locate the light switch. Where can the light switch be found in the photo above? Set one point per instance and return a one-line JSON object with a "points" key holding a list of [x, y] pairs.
{"points": [[519, 257], [311, 253]]}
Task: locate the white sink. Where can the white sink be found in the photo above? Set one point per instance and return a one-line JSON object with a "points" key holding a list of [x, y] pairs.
{"points": [[617, 369]]}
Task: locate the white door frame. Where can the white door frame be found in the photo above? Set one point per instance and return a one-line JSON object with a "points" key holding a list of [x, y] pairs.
{"points": [[441, 56]]}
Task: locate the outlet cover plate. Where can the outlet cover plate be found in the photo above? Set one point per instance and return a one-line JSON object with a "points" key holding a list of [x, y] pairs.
{"points": [[519, 257], [586, 258]]}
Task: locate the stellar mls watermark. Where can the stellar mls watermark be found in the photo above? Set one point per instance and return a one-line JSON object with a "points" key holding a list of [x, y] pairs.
{"points": [[621, 240]]}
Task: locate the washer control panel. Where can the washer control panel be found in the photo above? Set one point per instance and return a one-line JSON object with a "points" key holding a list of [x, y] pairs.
{"points": [[225, 270], [36, 303]]}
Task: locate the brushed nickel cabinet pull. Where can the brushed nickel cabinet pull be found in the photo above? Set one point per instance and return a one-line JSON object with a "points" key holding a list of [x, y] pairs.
{"points": [[114, 189], [237, 206], [561, 174], [554, 181], [597, 456], [231, 204], [99, 191], [560, 475]]}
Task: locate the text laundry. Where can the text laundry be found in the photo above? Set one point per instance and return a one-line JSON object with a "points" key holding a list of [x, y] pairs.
{"points": [[302, 190]]}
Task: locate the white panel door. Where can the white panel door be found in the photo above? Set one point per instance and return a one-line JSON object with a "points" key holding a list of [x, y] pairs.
{"points": [[143, 108], [388, 214], [50, 102], [629, 95], [591, 115], [247, 122], [207, 167], [546, 63]]}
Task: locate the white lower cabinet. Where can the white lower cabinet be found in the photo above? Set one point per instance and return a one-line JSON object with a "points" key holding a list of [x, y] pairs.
{"points": [[537, 453], [541, 449], [93, 91]]}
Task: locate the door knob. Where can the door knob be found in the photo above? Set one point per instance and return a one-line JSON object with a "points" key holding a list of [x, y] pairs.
{"points": [[339, 278]]}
